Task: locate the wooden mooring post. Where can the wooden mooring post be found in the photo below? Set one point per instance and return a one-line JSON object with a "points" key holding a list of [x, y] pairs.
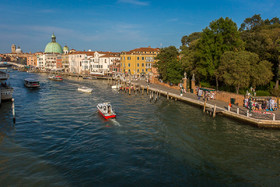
{"points": [[14, 112], [204, 106], [214, 111]]}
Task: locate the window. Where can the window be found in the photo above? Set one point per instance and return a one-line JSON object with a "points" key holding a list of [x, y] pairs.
{"points": [[142, 58], [128, 64], [142, 70], [137, 58], [142, 64], [128, 58], [137, 64], [137, 70]]}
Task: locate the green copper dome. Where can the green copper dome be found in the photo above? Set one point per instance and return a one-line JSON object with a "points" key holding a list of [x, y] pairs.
{"points": [[53, 46]]}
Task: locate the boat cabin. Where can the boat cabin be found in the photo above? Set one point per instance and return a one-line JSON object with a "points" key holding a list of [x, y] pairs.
{"points": [[31, 83]]}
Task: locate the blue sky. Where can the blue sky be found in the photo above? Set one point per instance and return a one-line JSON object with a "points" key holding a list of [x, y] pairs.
{"points": [[116, 25]]}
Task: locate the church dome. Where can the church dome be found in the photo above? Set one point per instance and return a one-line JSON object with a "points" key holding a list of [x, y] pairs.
{"points": [[18, 50], [53, 46]]}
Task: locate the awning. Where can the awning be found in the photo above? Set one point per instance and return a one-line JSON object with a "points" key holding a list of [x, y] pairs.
{"points": [[207, 89]]}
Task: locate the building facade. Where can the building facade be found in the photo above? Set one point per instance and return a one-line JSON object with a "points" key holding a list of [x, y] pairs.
{"points": [[138, 61]]}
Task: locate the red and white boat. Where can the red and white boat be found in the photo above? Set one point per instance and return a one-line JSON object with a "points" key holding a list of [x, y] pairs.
{"points": [[105, 109], [55, 78]]}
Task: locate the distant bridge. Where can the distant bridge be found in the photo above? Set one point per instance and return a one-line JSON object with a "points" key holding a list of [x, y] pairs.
{"points": [[11, 63]]}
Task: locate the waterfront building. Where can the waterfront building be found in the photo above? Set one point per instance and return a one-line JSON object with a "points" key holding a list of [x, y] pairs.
{"points": [[92, 62], [115, 67], [65, 62], [75, 60], [138, 61], [101, 61], [32, 60]]}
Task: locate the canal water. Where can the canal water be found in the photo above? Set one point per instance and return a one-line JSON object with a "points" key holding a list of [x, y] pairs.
{"points": [[59, 139]]}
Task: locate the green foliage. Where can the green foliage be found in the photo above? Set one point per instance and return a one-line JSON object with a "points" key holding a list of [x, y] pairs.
{"points": [[169, 67], [187, 40], [234, 69], [263, 38], [174, 72], [221, 36], [262, 93], [242, 69], [206, 84]]}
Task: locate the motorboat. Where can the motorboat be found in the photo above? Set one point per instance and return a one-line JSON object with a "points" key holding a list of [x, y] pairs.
{"points": [[31, 83], [106, 110], [55, 78], [116, 86], [85, 89]]}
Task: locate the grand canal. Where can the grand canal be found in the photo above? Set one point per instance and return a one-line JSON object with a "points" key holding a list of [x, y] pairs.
{"points": [[59, 139]]}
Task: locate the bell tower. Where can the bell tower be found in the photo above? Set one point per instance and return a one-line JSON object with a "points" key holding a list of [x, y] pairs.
{"points": [[13, 48]]}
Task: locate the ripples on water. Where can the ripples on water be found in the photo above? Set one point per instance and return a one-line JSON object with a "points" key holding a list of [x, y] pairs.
{"points": [[60, 140]]}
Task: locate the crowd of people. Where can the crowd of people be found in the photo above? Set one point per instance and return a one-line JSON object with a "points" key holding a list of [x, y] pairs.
{"points": [[205, 94], [261, 104]]}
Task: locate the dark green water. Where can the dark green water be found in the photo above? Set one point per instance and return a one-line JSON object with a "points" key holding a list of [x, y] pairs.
{"points": [[60, 140]]}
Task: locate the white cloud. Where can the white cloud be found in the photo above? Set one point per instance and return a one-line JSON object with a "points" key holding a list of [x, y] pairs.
{"points": [[134, 2]]}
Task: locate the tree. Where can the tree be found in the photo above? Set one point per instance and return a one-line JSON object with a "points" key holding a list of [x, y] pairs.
{"points": [[265, 41], [251, 23], [174, 71], [221, 36], [186, 40], [165, 60], [261, 73], [242, 69]]}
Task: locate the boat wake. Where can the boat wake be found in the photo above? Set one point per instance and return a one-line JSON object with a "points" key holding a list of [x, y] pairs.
{"points": [[115, 122]]}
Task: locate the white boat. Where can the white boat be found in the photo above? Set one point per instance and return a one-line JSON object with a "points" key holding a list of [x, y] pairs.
{"points": [[106, 110], [55, 78], [97, 73], [85, 89], [116, 86]]}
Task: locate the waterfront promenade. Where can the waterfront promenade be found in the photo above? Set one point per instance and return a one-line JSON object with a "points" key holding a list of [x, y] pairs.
{"points": [[269, 119]]}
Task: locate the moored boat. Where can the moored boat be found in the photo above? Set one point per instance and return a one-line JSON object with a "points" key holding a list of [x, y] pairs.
{"points": [[6, 92], [31, 83], [3, 75], [85, 89], [55, 78], [116, 86], [106, 110]]}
